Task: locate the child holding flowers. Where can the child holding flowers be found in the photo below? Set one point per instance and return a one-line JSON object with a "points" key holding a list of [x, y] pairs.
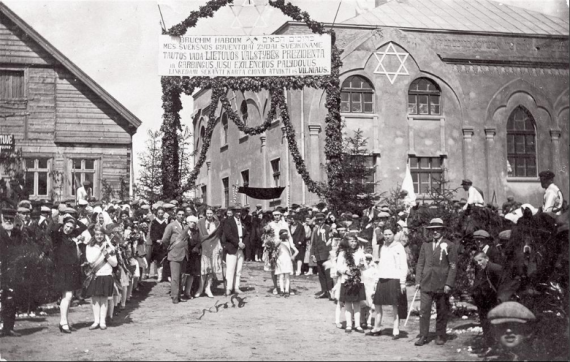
{"points": [[350, 263]]}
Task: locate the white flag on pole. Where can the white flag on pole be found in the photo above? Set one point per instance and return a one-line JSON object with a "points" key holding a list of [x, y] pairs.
{"points": [[408, 186]]}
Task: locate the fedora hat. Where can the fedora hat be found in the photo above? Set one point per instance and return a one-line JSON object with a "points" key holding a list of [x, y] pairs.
{"points": [[436, 223]]}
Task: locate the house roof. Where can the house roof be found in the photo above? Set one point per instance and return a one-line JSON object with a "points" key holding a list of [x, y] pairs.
{"points": [[70, 66], [461, 15]]}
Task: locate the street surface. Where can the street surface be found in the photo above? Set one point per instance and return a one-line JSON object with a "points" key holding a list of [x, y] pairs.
{"points": [[255, 326]]}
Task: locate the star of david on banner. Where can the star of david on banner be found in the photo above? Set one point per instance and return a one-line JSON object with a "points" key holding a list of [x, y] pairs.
{"points": [[252, 13], [391, 51]]}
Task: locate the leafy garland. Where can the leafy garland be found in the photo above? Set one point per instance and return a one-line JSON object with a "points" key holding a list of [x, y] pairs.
{"points": [[354, 280], [174, 86]]}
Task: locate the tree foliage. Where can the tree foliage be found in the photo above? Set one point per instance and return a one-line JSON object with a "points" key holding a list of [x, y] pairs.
{"points": [[149, 182], [353, 193]]}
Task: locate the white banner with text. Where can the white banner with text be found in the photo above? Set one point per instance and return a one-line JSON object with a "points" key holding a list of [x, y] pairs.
{"points": [[245, 56]]}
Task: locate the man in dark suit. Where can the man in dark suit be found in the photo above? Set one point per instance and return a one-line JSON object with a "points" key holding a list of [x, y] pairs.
{"points": [[298, 235], [320, 249], [246, 220], [175, 239], [10, 240], [484, 293], [435, 276], [233, 235]]}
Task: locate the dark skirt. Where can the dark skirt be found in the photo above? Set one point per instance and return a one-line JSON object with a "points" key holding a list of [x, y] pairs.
{"points": [[300, 256], [353, 295], [101, 286], [388, 292], [68, 278], [194, 265], [158, 252]]}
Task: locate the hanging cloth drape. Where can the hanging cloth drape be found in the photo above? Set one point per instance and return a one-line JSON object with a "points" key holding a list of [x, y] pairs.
{"points": [[262, 193]]}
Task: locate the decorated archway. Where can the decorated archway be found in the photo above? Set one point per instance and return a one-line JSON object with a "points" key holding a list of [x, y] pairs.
{"points": [[173, 87]]}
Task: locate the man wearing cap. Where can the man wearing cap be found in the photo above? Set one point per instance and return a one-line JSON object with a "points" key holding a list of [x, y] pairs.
{"points": [[84, 192], [474, 195], [553, 199], [10, 240], [23, 220], [81, 211], [513, 325], [435, 276], [320, 249], [485, 244], [233, 236]]}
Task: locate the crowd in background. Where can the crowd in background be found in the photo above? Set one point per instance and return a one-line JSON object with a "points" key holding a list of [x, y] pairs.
{"points": [[102, 250]]}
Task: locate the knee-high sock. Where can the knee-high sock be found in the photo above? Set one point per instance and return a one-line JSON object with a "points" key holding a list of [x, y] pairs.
{"points": [[103, 313], [348, 315], [356, 307], [287, 283], [96, 306], [396, 329], [378, 319], [338, 312], [281, 277]]}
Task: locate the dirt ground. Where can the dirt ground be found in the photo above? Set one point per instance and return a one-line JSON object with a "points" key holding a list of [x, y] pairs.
{"points": [[255, 326]]}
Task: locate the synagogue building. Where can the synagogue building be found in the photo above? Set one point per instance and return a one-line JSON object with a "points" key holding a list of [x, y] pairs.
{"points": [[457, 89]]}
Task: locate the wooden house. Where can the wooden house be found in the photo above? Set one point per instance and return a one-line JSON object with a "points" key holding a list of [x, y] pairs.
{"points": [[68, 127]]}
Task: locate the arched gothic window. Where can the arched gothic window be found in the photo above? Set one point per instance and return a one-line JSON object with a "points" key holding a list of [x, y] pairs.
{"points": [[424, 97], [521, 143], [356, 95]]}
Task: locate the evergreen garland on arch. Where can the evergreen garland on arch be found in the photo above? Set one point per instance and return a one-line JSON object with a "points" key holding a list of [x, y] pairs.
{"points": [[174, 86]]}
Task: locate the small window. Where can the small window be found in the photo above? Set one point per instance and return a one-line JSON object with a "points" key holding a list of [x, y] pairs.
{"points": [[424, 97], [276, 168], [82, 170], [36, 177], [204, 191], [356, 95], [226, 187], [426, 174], [12, 85], [521, 144], [245, 183], [224, 130]]}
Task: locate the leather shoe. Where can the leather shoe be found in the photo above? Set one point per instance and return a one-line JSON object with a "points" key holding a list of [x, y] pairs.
{"points": [[183, 299], [440, 341], [324, 296], [318, 294], [420, 342], [175, 301]]}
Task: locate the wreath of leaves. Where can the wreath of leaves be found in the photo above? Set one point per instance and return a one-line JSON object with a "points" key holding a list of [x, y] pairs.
{"points": [[174, 86]]}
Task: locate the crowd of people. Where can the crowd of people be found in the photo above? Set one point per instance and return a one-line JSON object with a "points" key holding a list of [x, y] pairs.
{"points": [[101, 251]]}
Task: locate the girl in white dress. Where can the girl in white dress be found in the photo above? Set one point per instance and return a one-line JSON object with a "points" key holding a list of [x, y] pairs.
{"points": [[284, 265]]}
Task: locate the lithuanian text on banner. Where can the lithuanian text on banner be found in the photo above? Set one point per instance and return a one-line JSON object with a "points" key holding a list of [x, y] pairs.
{"points": [[243, 56]]}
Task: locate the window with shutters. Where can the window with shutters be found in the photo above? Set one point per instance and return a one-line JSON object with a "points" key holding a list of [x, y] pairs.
{"points": [[424, 97], [521, 143], [356, 95]]}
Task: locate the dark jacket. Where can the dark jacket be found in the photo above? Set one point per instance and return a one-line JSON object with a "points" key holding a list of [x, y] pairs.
{"points": [[319, 247], [8, 248], [64, 248], [486, 285], [157, 229], [230, 235], [299, 236], [436, 268]]}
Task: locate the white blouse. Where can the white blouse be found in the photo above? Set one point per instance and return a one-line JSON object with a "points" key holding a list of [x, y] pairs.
{"points": [[393, 262], [92, 254]]}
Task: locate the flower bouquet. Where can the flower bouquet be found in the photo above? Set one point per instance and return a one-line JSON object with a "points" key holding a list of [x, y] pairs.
{"points": [[271, 248]]}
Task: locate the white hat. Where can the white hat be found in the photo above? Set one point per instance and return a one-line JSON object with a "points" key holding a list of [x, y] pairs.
{"points": [[191, 218]]}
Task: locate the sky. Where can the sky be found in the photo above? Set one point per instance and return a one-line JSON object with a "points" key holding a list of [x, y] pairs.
{"points": [[116, 42]]}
